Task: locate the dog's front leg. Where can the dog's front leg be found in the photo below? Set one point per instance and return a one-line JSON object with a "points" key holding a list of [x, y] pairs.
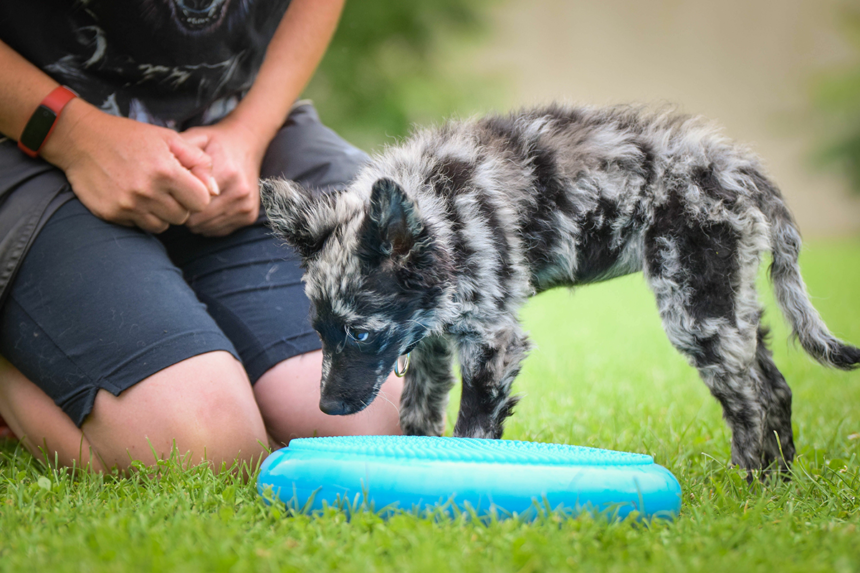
{"points": [[489, 368], [425, 394]]}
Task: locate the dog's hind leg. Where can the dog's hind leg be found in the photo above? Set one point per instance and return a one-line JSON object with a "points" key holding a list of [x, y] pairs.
{"points": [[778, 434], [703, 273], [489, 368], [724, 356], [428, 382]]}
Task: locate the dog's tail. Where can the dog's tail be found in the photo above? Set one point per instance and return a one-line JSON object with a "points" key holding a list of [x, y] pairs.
{"points": [[807, 326]]}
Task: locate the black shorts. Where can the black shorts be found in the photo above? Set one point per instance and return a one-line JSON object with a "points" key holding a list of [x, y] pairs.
{"points": [[100, 306]]}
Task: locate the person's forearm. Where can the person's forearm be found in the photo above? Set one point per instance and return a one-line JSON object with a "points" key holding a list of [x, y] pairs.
{"points": [[293, 54], [22, 87]]}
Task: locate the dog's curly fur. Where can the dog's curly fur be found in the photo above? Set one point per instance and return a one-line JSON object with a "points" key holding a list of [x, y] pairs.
{"points": [[439, 241]]}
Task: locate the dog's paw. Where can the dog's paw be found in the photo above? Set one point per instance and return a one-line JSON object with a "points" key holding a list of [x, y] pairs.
{"points": [[410, 426], [479, 431]]}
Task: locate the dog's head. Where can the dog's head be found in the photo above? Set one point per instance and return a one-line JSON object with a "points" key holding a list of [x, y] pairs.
{"points": [[375, 276]]}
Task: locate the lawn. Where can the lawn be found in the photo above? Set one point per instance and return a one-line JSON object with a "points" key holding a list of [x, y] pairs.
{"points": [[604, 375]]}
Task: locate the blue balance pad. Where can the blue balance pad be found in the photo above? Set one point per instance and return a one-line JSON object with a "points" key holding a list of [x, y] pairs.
{"points": [[499, 477]]}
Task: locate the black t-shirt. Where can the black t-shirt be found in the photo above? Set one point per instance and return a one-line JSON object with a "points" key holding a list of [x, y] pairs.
{"points": [[174, 63]]}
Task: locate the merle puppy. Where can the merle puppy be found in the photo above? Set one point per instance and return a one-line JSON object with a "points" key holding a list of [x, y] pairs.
{"points": [[437, 244]]}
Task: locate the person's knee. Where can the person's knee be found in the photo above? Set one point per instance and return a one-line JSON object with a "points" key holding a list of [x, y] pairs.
{"points": [[288, 396], [201, 409]]}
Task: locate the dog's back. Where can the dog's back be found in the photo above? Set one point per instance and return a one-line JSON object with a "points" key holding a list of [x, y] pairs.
{"points": [[570, 193]]}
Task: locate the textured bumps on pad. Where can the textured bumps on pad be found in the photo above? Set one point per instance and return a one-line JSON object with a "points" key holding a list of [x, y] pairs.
{"points": [[468, 450]]}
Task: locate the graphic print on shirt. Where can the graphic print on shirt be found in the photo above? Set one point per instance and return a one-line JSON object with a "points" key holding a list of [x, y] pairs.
{"points": [[172, 63]]}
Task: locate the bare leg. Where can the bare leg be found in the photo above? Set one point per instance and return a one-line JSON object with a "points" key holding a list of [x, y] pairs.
{"points": [[288, 397], [203, 404]]}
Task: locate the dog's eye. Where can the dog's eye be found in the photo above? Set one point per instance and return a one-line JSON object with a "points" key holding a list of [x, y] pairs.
{"points": [[357, 335]]}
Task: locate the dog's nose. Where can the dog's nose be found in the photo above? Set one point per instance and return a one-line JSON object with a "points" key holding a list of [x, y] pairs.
{"points": [[333, 406]]}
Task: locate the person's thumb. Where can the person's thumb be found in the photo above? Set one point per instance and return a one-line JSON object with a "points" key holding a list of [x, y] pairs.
{"points": [[195, 160]]}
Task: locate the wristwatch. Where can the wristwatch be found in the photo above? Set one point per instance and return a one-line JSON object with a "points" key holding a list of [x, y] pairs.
{"points": [[42, 121]]}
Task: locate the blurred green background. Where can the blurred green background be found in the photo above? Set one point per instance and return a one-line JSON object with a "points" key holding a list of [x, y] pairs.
{"points": [[781, 75], [836, 97], [389, 66]]}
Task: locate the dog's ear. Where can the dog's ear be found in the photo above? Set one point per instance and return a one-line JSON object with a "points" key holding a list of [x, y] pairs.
{"points": [[393, 227], [303, 219]]}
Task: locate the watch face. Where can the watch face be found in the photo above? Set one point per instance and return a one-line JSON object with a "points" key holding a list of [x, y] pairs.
{"points": [[38, 127]]}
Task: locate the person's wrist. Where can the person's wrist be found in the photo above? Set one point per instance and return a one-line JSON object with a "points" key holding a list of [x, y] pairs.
{"points": [[257, 134], [65, 140], [39, 127]]}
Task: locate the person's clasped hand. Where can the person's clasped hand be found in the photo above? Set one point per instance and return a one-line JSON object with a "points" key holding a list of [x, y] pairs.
{"points": [[236, 154], [131, 173]]}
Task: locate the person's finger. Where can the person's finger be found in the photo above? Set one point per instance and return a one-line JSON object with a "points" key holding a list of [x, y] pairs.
{"points": [[195, 160], [187, 189], [199, 222], [217, 207], [207, 228], [169, 210], [151, 223], [206, 221], [196, 138], [223, 226], [196, 228], [220, 228], [214, 224]]}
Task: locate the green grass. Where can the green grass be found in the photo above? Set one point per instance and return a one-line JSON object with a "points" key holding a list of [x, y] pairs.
{"points": [[603, 375]]}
